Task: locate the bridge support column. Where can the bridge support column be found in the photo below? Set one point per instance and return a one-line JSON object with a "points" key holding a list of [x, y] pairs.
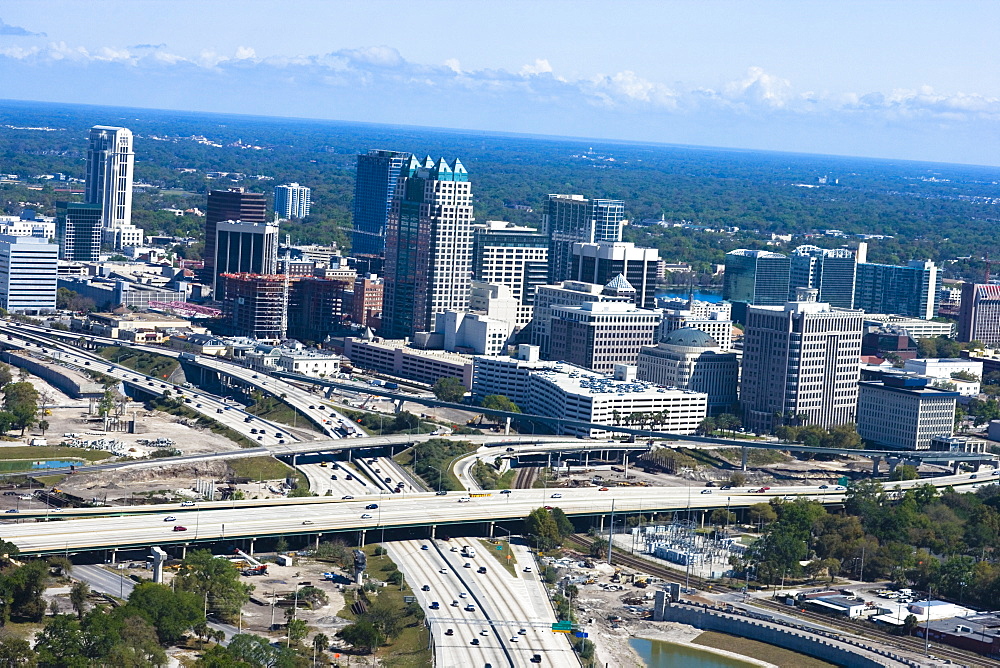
{"points": [[361, 536], [601, 527], [112, 555], [159, 557], [253, 541], [586, 459], [433, 531], [876, 464], [954, 467], [703, 513], [975, 465], [316, 545], [743, 463], [893, 463], [184, 551]]}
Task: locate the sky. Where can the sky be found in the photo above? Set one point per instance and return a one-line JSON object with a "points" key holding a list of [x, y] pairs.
{"points": [[894, 79]]}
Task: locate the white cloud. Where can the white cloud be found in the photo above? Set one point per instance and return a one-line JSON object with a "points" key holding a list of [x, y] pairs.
{"points": [[540, 66]]}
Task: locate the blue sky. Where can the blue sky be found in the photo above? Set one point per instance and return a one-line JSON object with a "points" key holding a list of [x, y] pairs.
{"points": [[915, 80]]}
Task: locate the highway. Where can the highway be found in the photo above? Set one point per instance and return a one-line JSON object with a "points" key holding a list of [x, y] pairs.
{"points": [[230, 519]]}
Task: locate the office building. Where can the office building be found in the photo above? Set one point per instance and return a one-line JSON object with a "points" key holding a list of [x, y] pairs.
{"points": [[110, 165], [711, 318], [366, 309], [231, 204], [292, 201], [561, 390], [602, 261], [398, 359], [569, 293], [599, 335], [915, 327], [78, 230], [943, 371], [317, 307], [904, 412], [801, 364], [979, 314], [428, 251], [909, 291], [29, 269], [255, 306], [571, 219], [244, 248], [829, 270], [505, 254], [755, 278], [375, 184], [690, 359]]}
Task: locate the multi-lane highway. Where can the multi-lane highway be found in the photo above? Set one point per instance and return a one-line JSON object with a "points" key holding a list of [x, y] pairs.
{"points": [[217, 520]]}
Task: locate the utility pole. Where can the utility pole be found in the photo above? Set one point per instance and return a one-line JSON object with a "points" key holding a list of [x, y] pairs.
{"points": [[611, 531]]}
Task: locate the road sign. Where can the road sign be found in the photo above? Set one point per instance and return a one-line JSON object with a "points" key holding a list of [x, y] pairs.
{"points": [[563, 627], [581, 634], [842, 480], [499, 548]]}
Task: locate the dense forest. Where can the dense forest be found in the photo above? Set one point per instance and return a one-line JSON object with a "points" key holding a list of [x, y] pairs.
{"points": [[728, 198]]}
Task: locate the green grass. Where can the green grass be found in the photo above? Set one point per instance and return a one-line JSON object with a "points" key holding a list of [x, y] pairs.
{"points": [[409, 648], [261, 468], [755, 456], [500, 555], [34, 453], [175, 407], [759, 650], [276, 410], [158, 366]]}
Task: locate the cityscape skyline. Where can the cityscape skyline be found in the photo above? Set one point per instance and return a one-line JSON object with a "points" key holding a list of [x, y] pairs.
{"points": [[765, 77]]}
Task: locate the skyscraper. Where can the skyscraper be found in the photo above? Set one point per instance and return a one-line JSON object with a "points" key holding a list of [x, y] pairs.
{"points": [[801, 364], [754, 277], [504, 254], [600, 262], [886, 288], [292, 201], [573, 219], [829, 270], [979, 314], [110, 165], [378, 173], [232, 204], [428, 250], [244, 248], [78, 231], [29, 269]]}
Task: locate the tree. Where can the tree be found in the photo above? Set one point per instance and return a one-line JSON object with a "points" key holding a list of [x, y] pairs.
{"points": [[599, 548], [738, 479], [722, 516], [252, 650], [498, 402], [16, 653], [541, 526], [23, 588], [362, 635], [5, 375], [904, 472], [21, 401], [78, 594], [909, 625], [60, 644], [217, 579], [43, 425], [563, 525], [449, 389], [137, 645], [172, 613], [297, 630], [762, 513]]}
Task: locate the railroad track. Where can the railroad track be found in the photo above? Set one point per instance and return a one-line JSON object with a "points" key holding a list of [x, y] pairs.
{"points": [[525, 477], [862, 630]]}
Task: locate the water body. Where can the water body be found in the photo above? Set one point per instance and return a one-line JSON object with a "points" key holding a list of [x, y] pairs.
{"points": [[662, 654], [52, 464], [700, 295]]}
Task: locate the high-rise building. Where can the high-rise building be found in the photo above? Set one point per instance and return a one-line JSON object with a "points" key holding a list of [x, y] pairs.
{"points": [[755, 278], [366, 309], [571, 219], [428, 250], [231, 204], [801, 364], [696, 315], [570, 293], [244, 248], [599, 335], [829, 270], [904, 412], [292, 201], [690, 359], [272, 307], [504, 254], [600, 262], [979, 314], [886, 288], [29, 269], [110, 165], [375, 184], [78, 230]]}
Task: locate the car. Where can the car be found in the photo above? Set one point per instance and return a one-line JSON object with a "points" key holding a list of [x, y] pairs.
{"points": [[484, 632], [603, 489], [435, 605], [464, 499], [13, 510], [765, 488], [347, 497], [366, 516], [548, 507], [514, 639], [557, 495], [425, 588], [333, 476], [482, 570], [169, 518], [824, 487], [441, 492], [425, 547], [726, 487], [505, 491], [470, 608], [527, 569], [463, 595], [706, 491], [312, 408], [510, 449], [260, 438], [454, 603], [254, 430], [475, 641], [449, 632], [180, 528], [468, 565], [197, 405], [306, 521], [443, 571], [710, 483], [973, 476], [536, 658], [186, 504], [840, 488], [522, 632], [371, 506], [788, 497], [454, 548]]}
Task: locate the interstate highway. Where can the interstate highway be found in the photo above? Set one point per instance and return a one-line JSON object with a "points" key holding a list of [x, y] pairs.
{"points": [[218, 520]]}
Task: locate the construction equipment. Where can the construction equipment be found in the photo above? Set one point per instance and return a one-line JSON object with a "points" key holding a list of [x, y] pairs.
{"points": [[255, 570]]}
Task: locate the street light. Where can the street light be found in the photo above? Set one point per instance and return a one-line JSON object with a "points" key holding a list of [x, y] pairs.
{"points": [[439, 475]]}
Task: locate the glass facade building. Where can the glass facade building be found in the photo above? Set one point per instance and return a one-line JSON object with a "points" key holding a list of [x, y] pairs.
{"points": [[375, 184], [78, 230], [754, 277], [571, 219]]}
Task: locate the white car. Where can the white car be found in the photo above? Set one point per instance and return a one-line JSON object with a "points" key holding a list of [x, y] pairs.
{"points": [[366, 516], [527, 569], [557, 495]]}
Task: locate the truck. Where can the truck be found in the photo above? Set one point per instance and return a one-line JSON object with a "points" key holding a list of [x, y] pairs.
{"points": [[391, 386], [469, 551]]}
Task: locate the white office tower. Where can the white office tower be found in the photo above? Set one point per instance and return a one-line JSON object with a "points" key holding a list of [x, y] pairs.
{"points": [[29, 269], [292, 201], [110, 165], [690, 359], [801, 364], [713, 319]]}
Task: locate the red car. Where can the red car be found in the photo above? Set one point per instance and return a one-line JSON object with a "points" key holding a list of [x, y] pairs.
{"points": [[603, 489], [180, 528]]}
